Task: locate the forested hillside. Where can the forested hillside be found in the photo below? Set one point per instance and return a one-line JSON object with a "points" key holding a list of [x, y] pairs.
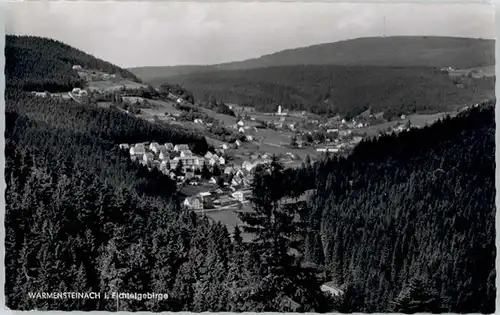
{"points": [[39, 64], [339, 89], [403, 51], [407, 222]]}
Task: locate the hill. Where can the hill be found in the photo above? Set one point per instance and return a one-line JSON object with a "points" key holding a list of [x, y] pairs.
{"points": [[38, 64], [404, 51], [395, 219], [346, 90]]}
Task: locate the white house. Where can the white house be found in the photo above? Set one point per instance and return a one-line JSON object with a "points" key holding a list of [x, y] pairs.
{"points": [[242, 195], [249, 138], [193, 203], [208, 155], [181, 147], [198, 121], [238, 143], [186, 153], [164, 155], [331, 288], [147, 157], [77, 67], [332, 130], [333, 150], [179, 101], [222, 160], [212, 180], [155, 147], [225, 146], [124, 146], [241, 123], [241, 130], [247, 165], [137, 149], [213, 161]]}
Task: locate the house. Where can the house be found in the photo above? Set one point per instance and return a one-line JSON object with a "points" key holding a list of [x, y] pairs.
{"points": [[208, 155], [225, 146], [331, 288], [332, 130], [249, 138], [76, 91], [155, 147], [212, 180], [238, 143], [403, 117], [164, 155], [77, 68], [186, 153], [222, 160], [147, 157], [124, 146], [236, 181], [193, 203], [173, 163], [241, 130], [179, 101], [247, 165], [213, 161], [198, 121], [327, 149], [242, 195], [137, 149], [228, 170], [169, 146], [240, 123], [181, 147]]}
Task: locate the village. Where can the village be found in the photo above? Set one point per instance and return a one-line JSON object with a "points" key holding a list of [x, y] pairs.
{"points": [[215, 182]]}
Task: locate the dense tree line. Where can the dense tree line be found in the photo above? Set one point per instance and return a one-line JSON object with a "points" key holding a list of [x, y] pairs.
{"points": [[345, 90], [39, 64], [407, 222]]}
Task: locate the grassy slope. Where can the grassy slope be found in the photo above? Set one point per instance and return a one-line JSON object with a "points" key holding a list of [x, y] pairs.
{"points": [[376, 51]]}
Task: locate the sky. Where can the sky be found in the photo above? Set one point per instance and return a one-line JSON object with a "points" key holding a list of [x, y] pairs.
{"points": [[132, 34]]}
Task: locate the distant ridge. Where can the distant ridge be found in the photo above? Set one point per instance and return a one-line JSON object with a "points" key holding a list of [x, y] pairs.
{"points": [[419, 51]]}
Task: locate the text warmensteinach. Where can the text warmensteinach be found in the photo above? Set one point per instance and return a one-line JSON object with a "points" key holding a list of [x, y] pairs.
{"points": [[64, 295]]}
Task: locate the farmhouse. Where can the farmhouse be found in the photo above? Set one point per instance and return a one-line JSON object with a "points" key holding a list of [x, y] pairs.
{"points": [[147, 157], [193, 203], [154, 146], [331, 288], [327, 149], [242, 195], [138, 149]]}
